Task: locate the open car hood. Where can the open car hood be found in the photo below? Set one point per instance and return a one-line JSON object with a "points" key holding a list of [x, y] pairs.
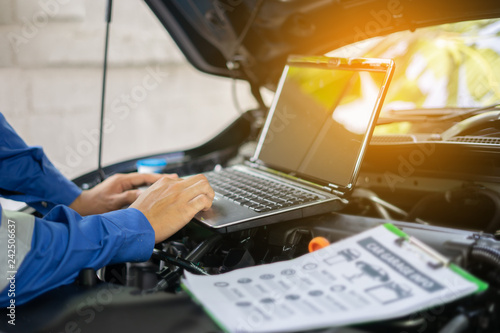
{"points": [[251, 39]]}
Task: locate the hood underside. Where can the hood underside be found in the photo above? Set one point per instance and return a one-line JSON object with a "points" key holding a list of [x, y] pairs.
{"points": [[251, 39]]}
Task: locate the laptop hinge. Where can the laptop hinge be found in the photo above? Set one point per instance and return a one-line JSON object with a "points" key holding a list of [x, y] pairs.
{"points": [[339, 193], [335, 190]]}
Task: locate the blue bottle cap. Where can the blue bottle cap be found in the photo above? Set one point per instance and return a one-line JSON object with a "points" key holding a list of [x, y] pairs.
{"points": [[151, 165], [152, 162]]}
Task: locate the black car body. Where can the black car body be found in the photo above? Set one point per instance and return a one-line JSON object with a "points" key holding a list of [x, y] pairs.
{"points": [[440, 182]]}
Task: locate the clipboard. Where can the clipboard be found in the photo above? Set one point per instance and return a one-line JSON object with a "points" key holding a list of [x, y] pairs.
{"points": [[440, 259], [379, 274]]}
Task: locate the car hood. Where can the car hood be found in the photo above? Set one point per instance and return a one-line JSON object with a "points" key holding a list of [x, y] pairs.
{"points": [[251, 39]]}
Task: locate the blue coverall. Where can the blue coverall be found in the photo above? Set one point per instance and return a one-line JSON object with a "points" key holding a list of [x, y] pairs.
{"points": [[51, 251]]}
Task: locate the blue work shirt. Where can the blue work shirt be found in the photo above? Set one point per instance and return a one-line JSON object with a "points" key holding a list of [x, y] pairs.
{"points": [[51, 251]]}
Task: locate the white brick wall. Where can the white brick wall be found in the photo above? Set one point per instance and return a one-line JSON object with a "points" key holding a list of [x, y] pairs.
{"points": [[53, 10], [51, 55], [7, 11], [6, 54]]}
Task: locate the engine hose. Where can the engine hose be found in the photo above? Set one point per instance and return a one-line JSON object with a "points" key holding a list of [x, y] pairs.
{"points": [[494, 224], [486, 254], [203, 248], [421, 206], [195, 255], [458, 324]]}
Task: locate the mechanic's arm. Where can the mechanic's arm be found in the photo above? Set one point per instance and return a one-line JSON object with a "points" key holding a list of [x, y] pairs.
{"points": [[27, 175], [62, 243]]}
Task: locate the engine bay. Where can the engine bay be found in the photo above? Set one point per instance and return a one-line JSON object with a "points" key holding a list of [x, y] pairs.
{"points": [[194, 250], [444, 194], [457, 216]]}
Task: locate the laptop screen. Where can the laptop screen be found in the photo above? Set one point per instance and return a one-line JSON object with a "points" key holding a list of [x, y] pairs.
{"points": [[321, 119]]}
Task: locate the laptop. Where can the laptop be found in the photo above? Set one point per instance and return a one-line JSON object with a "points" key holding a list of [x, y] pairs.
{"points": [[311, 147]]}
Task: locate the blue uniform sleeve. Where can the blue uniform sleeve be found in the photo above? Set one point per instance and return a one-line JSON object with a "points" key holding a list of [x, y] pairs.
{"points": [[27, 175], [63, 243]]}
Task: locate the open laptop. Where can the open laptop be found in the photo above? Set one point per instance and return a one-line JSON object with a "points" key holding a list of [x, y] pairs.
{"points": [[311, 147]]}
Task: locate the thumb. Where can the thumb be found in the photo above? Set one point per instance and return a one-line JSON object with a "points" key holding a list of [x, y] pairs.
{"points": [[127, 197]]}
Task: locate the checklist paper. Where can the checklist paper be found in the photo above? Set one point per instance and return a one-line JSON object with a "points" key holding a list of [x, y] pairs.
{"points": [[375, 275]]}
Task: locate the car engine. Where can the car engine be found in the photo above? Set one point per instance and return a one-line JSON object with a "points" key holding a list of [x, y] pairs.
{"points": [[443, 192]]}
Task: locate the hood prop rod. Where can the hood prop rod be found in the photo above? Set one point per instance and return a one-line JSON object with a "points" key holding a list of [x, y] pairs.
{"points": [[100, 171]]}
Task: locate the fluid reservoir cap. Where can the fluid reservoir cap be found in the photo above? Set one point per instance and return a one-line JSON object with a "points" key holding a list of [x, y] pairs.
{"points": [[151, 165], [318, 243]]}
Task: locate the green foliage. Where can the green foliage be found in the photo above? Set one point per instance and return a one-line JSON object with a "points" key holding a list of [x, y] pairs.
{"points": [[460, 53]]}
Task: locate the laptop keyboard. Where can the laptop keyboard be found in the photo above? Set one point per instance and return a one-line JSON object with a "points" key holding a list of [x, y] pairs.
{"points": [[256, 193]]}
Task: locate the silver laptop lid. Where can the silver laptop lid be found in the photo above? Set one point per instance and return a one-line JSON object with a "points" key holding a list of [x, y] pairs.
{"points": [[322, 117]]}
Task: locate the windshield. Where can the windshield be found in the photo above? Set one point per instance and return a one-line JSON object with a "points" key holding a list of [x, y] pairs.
{"points": [[448, 66]]}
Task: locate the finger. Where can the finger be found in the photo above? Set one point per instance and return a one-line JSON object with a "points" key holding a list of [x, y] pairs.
{"points": [[202, 186], [126, 198], [201, 202], [132, 180], [193, 180], [180, 184]]}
